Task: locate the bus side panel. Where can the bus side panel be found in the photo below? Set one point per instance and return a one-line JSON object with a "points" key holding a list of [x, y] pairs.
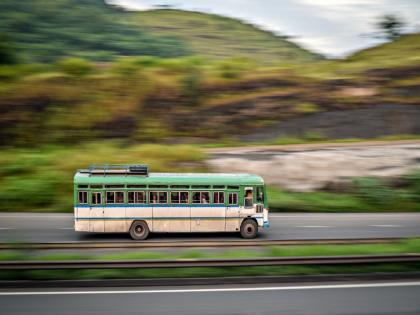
{"points": [[114, 218], [167, 218], [137, 212], [208, 219], [81, 219], [232, 218]]}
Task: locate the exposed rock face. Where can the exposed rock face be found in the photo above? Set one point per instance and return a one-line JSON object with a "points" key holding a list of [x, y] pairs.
{"points": [[368, 122], [312, 167]]}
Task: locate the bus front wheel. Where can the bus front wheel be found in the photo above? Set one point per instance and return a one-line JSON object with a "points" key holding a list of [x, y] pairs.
{"points": [[249, 228], [139, 230]]}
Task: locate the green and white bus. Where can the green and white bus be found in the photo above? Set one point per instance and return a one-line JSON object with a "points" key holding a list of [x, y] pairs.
{"points": [[127, 198]]}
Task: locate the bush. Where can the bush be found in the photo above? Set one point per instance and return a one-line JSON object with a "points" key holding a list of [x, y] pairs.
{"points": [[126, 66], [8, 73], [413, 180], [373, 190], [75, 66], [306, 108], [232, 68], [314, 136]]}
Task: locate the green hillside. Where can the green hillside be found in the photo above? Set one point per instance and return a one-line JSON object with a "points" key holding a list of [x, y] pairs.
{"points": [[216, 36], [403, 51], [44, 31]]}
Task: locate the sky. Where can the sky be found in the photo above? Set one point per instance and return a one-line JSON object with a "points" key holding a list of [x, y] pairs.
{"points": [[335, 28]]}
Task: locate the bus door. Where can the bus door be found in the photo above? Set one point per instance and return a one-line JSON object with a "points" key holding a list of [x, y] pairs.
{"points": [[96, 212], [232, 211]]}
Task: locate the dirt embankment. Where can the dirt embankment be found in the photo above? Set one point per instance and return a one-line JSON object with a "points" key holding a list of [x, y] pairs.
{"points": [[313, 167]]}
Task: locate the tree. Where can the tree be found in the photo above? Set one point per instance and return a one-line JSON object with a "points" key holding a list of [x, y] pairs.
{"points": [[390, 26]]}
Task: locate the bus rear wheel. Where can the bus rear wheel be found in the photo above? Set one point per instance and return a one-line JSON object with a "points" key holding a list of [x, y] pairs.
{"points": [[139, 230], [249, 228]]}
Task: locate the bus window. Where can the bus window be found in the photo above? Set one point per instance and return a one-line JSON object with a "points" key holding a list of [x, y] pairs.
{"points": [[218, 197], [260, 194], [201, 197], [184, 197], [83, 197], [114, 197], [158, 197], [248, 198], [233, 198], [136, 197], [163, 197], [96, 198], [175, 197], [119, 197], [196, 197], [179, 197]]}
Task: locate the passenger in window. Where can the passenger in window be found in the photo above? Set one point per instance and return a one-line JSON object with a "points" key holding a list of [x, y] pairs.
{"points": [[205, 198], [154, 198]]}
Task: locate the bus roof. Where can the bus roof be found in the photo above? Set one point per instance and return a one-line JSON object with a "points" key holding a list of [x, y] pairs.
{"points": [[171, 178]]}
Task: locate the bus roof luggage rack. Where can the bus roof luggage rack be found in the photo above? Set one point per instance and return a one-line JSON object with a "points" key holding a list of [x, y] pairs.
{"points": [[117, 169]]}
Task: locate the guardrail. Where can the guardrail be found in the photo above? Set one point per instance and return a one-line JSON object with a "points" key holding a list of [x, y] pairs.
{"points": [[191, 244], [183, 263]]}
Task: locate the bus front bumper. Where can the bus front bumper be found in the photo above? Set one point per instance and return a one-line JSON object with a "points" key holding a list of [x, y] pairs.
{"points": [[262, 223]]}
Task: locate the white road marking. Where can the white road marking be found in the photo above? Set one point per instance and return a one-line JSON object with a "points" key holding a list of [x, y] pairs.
{"points": [[386, 225], [24, 216], [283, 288], [7, 228], [313, 226]]}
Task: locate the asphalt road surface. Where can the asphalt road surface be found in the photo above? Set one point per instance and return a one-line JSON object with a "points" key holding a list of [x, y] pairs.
{"points": [[390, 298], [53, 227]]}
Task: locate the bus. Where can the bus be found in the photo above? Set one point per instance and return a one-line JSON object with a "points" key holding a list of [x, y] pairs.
{"points": [[129, 198]]}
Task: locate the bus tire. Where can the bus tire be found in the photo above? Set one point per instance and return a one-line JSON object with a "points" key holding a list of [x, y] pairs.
{"points": [[139, 230], [249, 228]]}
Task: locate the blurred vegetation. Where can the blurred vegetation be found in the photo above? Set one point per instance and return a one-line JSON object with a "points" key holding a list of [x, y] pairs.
{"points": [[202, 272], [405, 246]]}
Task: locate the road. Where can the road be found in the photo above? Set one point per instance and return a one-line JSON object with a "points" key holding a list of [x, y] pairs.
{"points": [[56, 227], [399, 298]]}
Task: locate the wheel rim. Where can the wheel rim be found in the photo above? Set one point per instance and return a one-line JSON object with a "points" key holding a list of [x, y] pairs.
{"points": [[139, 230], [249, 229]]}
